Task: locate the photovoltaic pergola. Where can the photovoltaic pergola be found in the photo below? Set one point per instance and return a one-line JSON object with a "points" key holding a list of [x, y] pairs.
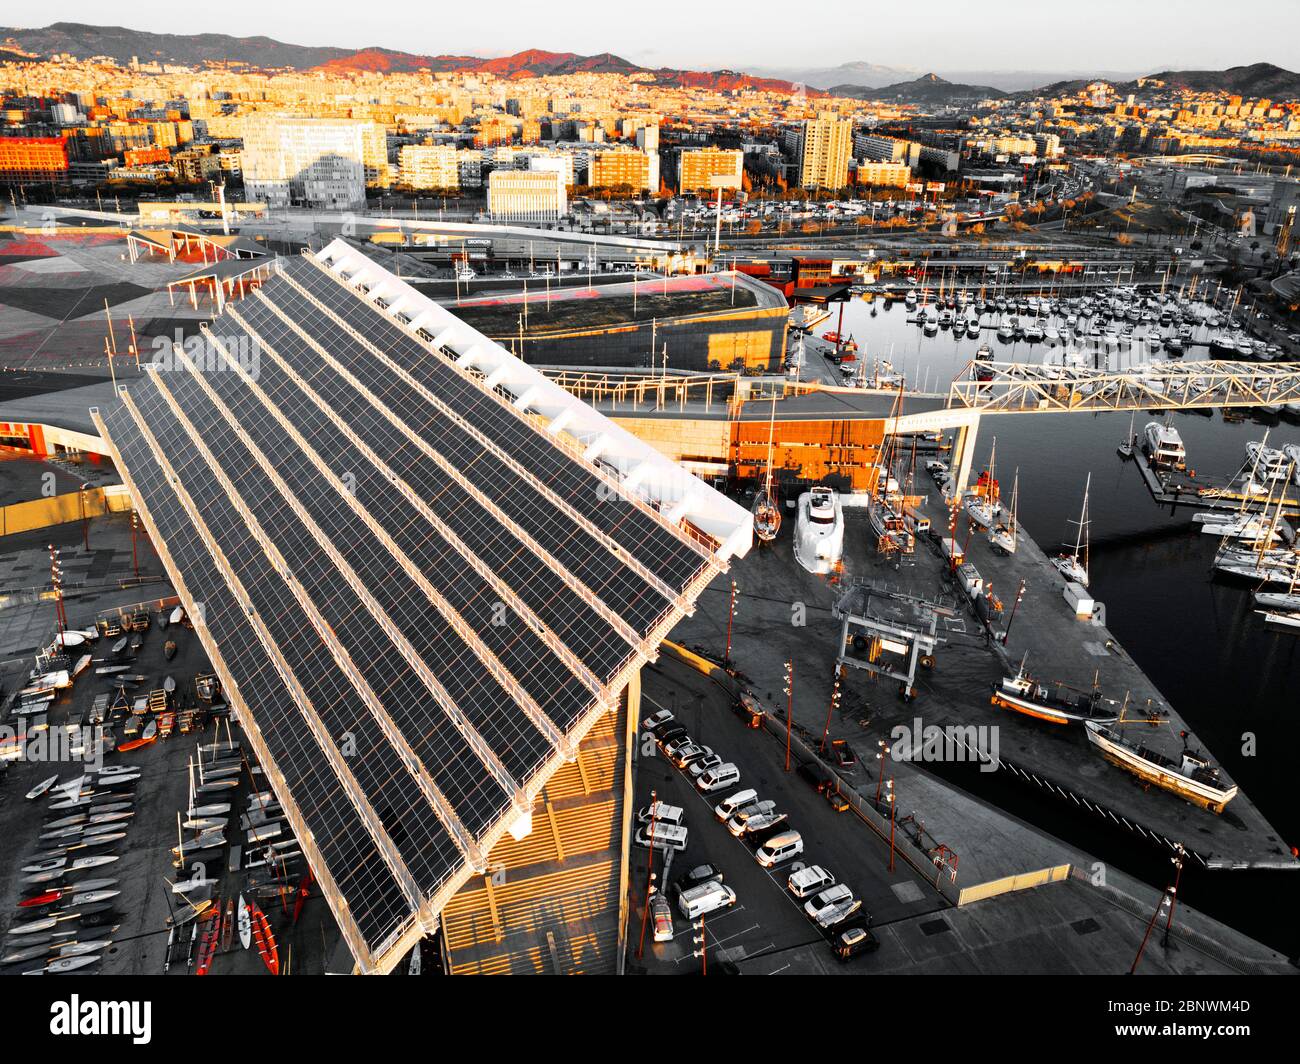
{"points": [[421, 569]]}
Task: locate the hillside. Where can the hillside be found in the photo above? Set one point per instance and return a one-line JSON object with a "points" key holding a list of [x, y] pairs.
{"points": [[1258, 79], [928, 89]]}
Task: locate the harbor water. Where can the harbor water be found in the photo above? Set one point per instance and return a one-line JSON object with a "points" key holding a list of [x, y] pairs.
{"points": [[1235, 682]]}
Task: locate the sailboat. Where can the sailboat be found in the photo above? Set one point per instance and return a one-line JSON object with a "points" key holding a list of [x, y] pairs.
{"points": [[767, 515], [1125, 449], [1074, 566], [1003, 536], [982, 504]]}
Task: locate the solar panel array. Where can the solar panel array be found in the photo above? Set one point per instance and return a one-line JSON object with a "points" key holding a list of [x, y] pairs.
{"points": [[420, 599]]}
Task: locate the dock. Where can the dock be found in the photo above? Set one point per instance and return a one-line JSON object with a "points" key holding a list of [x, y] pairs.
{"points": [[1174, 488], [784, 612]]}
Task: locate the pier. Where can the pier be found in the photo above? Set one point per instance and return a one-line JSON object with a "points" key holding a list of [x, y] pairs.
{"points": [[784, 612]]}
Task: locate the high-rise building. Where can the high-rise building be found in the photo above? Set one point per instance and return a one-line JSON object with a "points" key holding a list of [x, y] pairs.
{"points": [[526, 195], [307, 162], [701, 169], [824, 149], [427, 166]]}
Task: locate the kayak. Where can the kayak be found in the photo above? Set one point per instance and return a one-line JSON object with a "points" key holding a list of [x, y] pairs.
{"points": [[245, 924]]}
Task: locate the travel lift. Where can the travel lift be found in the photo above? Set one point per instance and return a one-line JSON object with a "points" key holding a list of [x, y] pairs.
{"points": [[888, 633]]}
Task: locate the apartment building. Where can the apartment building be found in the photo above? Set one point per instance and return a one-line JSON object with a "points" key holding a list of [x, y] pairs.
{"points": [[702, 169], [615, 169], [25, 160], [884, 175], [428, 166], [825, 144], [526, 195]]}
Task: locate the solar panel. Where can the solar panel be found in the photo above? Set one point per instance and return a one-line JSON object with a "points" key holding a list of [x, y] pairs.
{"points": [[420, 600]]}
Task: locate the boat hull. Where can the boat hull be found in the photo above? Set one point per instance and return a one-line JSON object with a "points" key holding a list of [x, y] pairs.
{"points": [[1212, 798]]}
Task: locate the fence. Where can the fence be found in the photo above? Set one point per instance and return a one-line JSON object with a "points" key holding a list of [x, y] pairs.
{"points": [[61, 509]]}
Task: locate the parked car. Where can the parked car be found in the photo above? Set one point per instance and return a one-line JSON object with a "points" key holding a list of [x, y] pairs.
{"points": [[666, 837], [809, 880], [662, 814], [705, 873], [728, 807], [782, 847], [668, 734], [690, 753], [851, 941], [827, 899], [703, 764], [755, 825], [704, 899], [715, 779], [815, 775], [656, 721], [662, 913], [748, 709]]}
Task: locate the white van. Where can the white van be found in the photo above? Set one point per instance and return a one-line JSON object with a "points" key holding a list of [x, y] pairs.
{"points": [[779, 849], [704, 899], [663, 814], [717, 778], [666, 837], [728, 807]]}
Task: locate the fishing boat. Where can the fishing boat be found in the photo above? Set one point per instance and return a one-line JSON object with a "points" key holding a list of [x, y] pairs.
{"points": [[1164, 446], [178, 615], [1004, 536], [1061, 705], [1073, 565], [1191, 776], [264, 938], [819, 531]]}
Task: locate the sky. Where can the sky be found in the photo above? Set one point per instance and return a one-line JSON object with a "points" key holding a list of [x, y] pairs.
{"points": [[1136, 36]]}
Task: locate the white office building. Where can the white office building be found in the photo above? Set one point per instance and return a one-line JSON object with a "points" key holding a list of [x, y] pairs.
{"points": [[526, 195], [308, 162]]}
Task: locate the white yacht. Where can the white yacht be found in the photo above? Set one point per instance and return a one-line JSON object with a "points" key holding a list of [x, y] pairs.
{"points": [[819, 531], [1269, 463], [1164, 446], [1074, 564]]}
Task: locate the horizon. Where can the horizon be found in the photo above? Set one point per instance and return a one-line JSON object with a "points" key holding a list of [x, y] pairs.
{"points": [[1195, 42]]}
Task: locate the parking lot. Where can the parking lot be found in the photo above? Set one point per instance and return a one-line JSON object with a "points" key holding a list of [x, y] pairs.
{"points": [[766, 931]]}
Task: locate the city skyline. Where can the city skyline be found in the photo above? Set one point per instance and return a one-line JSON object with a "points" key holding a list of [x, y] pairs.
{"points": [[688, 37]]}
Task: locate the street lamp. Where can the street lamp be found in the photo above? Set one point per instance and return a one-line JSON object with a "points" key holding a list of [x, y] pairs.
{"points": [[789, 708], [702, 952], [650, 876], [731, 617], [881, 754], [835, 701], [893, 805]]}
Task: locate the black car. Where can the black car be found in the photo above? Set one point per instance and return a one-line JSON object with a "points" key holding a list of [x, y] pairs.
{"points": [[816, 776], [848, 942], [667, 735], [705, 873]]}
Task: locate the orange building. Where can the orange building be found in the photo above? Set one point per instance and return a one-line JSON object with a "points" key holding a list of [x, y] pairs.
{"points": [[31, 159], [145, 156]]}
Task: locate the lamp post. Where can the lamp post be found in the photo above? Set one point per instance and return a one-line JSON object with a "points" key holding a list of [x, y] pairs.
{"points": [[56, 582], [881, 754], [650, 875], [893, 805], [1019, 595], [703, 951], [1177, 860], [835, 701], [731, 617], [789, 708], [85, 519], [135, 554]]}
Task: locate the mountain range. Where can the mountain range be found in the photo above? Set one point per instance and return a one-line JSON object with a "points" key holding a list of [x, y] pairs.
{"points": [[122, 44], [861, 80]]}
